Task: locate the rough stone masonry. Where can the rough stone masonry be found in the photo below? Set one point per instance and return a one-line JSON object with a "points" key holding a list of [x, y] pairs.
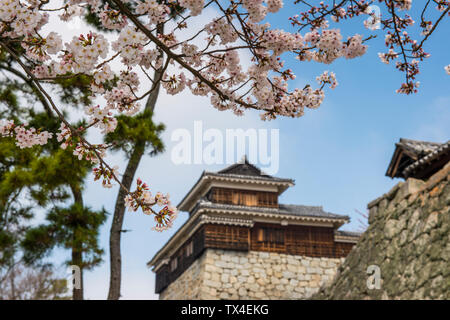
{"points": [[220, 274], [408, 239]]}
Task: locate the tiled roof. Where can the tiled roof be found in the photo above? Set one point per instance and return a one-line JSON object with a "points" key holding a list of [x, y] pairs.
{"points": [[283, 209], [245, 176], [429, 157], [310, 211], [417, 149], [245, 170], [410, 156], [348, 233]]}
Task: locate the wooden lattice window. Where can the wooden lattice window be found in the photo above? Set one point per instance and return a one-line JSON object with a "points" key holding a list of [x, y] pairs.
{"points": [[271, 235], [267, 199], [174, 264], [248, 199], [227, 237], [189, 248], [244, 197]]}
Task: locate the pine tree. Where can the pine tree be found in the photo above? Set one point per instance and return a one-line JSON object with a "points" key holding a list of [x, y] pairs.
{"points": [[47, 177]]}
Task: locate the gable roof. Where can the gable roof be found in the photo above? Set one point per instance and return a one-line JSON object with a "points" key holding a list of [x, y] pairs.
{"points": [[282, 210], [415, 148], [430, 163], [244, 167], [407, 152], [242, 172]]}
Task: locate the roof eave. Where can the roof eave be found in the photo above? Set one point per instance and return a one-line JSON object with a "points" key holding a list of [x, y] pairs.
{"points": [[336, 221], [395, 158], [188, 202]]}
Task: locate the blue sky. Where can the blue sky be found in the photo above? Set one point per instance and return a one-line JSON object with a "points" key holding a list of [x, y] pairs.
{"points": [[337, 154]]}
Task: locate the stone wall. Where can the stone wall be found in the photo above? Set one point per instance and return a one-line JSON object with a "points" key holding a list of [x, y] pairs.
{"points": [[188, 284], [220, 274], [408, 239]]}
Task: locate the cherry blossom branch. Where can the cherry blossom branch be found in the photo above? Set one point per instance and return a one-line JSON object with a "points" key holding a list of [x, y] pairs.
{"points": [[59, 114], [173, 56], [394, 24]]}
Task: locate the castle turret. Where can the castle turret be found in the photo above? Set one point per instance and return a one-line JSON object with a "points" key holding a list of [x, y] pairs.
{"points": [[240, 242]]}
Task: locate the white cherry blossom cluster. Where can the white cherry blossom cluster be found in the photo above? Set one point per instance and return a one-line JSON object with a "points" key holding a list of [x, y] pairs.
{"points": [[295, 103], [64, 136], [82, 149], [387, 57], [427, 27], [20, 19], [129, 79], [70, 11], [195, 6], [274, 5], [328, 77], [105, 174], [233, 67], [354, 47], [339, 14], [6, 128], [91, 153], [112, 19], [256, 9], [447, 69], [156, 12], [220, 27], [207, 64], [143, 198], [403, 4], [101, 76], [150, 58], [329, 45], [84, 52], [122, 99], [192, 55], [174, 84], [407, 88], [394, 22], [24, 138], [169, 40], [130, 44], [39, 49], [101, 118], [280, 41]]}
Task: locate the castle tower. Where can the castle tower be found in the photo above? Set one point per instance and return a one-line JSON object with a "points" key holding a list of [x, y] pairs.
{"points": [[241, 243]]}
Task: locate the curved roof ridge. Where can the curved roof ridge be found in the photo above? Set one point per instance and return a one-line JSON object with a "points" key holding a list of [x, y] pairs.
{"points": [[283, 209]]}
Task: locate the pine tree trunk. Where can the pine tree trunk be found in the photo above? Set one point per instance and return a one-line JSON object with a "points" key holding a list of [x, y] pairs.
{"points": [[119, 210], [116, 227], [77, 259], [77, 251], [13, 286]]}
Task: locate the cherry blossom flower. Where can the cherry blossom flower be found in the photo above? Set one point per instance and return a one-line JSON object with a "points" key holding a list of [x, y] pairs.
{"points": [[24, 138], [208, 63]]}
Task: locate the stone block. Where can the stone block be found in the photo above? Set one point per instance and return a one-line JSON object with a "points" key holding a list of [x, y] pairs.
{"points": [[244, 272], [292, 268], [242, 292], [305, 262], [221, 264], [223, 295], [288, 274], [225, 278], [215, 277]]}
